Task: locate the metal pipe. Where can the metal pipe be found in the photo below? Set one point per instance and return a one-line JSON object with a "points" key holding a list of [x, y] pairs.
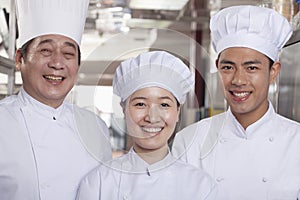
{"points": [[11, 46]]}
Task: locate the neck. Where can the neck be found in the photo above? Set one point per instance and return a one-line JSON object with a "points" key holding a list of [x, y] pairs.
{"points": [[246, 119], [48, 102], [152, 156]]}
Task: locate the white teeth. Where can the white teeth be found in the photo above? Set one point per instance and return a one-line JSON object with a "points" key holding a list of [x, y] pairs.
{"points": [[152, 130], [54, 78], [241, 94]]}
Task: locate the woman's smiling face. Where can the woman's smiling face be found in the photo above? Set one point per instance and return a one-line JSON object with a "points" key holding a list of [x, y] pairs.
{"points": [[151, 115]]}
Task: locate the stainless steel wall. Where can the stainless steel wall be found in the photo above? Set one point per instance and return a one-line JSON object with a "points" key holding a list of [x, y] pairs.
{"points": [[289, 83]]}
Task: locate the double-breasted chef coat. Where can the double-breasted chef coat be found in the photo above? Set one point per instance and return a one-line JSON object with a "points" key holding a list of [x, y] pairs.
{"points": [[42, 155], [130, 177], [259, 163]]}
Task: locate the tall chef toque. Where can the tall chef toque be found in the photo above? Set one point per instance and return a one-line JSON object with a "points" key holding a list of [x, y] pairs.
{"points": [[258, 28], [42, 17], [156, 68]]}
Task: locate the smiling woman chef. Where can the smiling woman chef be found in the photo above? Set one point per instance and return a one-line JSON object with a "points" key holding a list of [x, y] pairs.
{"points": [[152, 87]]}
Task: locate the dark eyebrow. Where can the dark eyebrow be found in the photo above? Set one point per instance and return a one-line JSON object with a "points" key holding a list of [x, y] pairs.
{"points": [[166, 97], [45, 41], [251, 62], [227, 62], [138, 98], [144, 98], [70, 44]]}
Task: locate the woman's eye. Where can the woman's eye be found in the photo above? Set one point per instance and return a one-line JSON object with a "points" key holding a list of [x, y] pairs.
{"points": [[165, 105], [139, 104]]}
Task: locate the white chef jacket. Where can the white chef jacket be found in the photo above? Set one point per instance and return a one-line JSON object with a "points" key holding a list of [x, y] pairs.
{"points": [[130, 177], [259, 163], [42, 156]]}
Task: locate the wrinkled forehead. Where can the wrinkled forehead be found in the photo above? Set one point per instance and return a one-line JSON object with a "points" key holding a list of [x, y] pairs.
{"points": [[55, 40]]}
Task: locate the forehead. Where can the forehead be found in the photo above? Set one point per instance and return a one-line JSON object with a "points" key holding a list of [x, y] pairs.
{"points": [[54, 39], [242, 54], [152, 92]]}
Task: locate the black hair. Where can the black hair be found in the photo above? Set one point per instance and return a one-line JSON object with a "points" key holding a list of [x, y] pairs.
{"points": [[271, 62]]}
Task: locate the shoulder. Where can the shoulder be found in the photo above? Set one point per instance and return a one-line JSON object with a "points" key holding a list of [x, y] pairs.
{"points": [[119, 164], [203, 123], [198, 130], [82, 111], [87, 116], [9, 109], [8, 101], [93, 133], [192, 174], [186, 168], [111, 169], [287, 125], [285, 120], [89, 185]]}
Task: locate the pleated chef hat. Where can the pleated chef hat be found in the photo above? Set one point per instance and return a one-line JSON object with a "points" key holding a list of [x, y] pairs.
{"points": [[156, 68], [258, 28], [42, 17]]}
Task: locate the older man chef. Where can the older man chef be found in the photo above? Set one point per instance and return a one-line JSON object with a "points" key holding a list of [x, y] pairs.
{"points": [[46, 144]]}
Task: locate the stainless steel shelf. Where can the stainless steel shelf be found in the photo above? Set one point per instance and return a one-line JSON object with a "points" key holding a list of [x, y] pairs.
{"points": [[7, 66]]}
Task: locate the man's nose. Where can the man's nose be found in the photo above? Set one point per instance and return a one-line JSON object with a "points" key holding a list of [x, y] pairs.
{"points": [[57, 61], [239, 77]]}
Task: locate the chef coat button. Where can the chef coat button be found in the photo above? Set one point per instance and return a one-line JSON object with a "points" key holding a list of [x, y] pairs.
{"points": [[219, 179], [222, 140], [271, 139], [264, 179]]}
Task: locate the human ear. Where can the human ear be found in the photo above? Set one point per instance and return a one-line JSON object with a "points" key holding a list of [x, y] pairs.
{"points": [[18, 60], [274, 71]]}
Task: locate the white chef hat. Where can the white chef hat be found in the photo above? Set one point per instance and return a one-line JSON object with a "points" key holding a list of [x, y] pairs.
{"points": [[156, 68], [42, 17], [258, 28]]}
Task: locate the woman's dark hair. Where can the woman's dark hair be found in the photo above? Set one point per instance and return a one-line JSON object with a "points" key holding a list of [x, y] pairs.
{"points": [[25, 47]]}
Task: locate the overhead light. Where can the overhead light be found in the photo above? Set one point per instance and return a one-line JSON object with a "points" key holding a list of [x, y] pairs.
{"points": [[157, 4]]}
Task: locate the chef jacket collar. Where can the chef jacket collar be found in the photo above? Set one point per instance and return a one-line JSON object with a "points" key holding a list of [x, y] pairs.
{"points": [[138, 165], [47, 111], [250, 132]]}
